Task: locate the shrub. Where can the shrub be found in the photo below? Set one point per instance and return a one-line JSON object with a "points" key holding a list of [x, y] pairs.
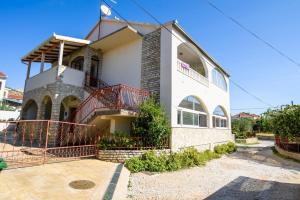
{"points": [[118, 140], [3, 164], [151, 124], [135, 164], [242, 127], [189, 157], [230, 147]]}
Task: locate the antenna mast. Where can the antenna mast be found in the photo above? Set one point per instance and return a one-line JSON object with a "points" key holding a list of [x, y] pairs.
{"points": [[100, 16]]}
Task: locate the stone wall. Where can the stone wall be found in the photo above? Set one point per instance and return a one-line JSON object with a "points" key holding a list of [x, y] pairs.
{"points": [[200, 138], [150, 73], [289, 154], [122, 155]]}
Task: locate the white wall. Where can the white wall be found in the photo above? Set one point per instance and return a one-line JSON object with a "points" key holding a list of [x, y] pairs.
{"points": [[3, 83], [123, 65], [69, 76], [5, 115], [183, 86]]}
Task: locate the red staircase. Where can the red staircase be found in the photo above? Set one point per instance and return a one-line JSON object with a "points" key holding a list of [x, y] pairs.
{"points": [[106, 98]]}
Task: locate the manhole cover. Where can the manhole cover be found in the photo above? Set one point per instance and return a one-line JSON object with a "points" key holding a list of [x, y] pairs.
{"points": [[82, 184]]}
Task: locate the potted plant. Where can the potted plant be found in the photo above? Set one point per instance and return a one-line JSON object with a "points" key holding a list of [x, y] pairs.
{"points": [[3, 164]]}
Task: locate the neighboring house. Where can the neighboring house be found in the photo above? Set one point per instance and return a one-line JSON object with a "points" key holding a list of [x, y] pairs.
{"points": [[13, 97], [3, 78], [101, 81], [245, 115]]}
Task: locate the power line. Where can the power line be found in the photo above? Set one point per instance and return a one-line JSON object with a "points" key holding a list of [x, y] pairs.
{"points": [[281, 53], [250, 94], [161, 24]]}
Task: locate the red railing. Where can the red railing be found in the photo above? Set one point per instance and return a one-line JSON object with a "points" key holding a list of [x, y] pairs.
{"points": [[288, 144], [115, 97], [34, 142]]}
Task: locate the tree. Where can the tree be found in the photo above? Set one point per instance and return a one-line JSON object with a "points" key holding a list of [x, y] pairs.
{"points": [[242, 127], [151, 124]]}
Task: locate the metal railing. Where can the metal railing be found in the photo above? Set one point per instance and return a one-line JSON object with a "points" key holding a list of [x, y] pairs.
{"points": [[111, 98], [291, 145], [34, 142], [188, 71]]}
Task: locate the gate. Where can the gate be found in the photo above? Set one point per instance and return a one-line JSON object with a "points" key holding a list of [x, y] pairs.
{"points": [[34, 142]]}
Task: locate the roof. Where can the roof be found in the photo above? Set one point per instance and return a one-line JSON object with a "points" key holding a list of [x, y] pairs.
{"points": [[131, 23], [50, 48], [14, 94], [245, 115], [2, 75], [116, 38]]}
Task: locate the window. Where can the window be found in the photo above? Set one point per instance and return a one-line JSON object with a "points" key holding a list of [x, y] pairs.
{"points": [[0, 85], [77, 63], [191, 112], [219, 118], [219, 80]]}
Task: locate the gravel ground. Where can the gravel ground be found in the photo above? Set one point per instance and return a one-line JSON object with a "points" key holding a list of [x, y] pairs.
{"points": [[251, 173]]}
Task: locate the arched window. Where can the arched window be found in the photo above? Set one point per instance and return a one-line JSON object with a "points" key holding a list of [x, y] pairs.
{"points": [[218, 79], [191, 112], [77, 63], [219, 118]]}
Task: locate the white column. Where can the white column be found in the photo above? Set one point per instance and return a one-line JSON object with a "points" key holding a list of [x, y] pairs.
{"points": [[42, 62], [61, 53], [28, 70]]}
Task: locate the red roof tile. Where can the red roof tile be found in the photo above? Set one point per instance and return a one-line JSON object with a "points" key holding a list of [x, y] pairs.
{"points": [[2, 75]]}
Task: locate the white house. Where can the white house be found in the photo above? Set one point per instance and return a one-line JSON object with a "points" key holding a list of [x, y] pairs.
{"points": [[101, 79], [3, 78]]}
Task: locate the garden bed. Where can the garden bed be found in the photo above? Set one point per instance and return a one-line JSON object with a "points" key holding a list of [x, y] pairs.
{"points": [[288, 154], [252, 140], [123, 155]]}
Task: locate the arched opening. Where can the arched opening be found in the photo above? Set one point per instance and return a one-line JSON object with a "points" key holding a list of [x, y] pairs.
{"points": [[46, 108], [218, 79], [30, 110], [68, 108], [77, 63], [191, 112], [189, 58], [220, 119]]}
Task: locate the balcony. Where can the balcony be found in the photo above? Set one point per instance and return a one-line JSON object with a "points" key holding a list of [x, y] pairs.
{"points": [[66, 74], [185, 69]]}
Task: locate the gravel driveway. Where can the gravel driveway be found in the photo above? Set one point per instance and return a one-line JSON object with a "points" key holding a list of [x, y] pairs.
{"points": [[251, 173]]}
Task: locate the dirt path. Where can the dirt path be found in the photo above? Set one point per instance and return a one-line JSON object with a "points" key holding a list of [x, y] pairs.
{"points": [[251, 173]]}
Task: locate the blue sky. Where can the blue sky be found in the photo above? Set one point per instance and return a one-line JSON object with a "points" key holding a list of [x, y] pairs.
{"points": [[25, 24]]}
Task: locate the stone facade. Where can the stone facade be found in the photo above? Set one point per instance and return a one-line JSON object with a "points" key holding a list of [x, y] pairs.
{"points": [[150, 72], [57, 92], [122, 155]]}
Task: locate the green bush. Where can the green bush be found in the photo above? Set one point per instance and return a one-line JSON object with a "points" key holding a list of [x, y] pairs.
{"points": [[189, 157], [230, 147], [151, 124], [3, 164], [118, 140], [242, 127], [135, 164]]}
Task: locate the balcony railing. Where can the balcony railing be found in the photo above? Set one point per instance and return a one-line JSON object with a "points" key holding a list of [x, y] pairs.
{"points": [[185, 69], [115, 97], [66, 74]]}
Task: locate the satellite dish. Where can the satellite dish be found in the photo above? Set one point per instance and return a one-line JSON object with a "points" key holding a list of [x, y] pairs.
{"points": [[105, 10]]}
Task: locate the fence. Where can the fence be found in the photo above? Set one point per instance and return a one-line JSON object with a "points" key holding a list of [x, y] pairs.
{"points": [[115, 142], [287, 144], [34, 142]]}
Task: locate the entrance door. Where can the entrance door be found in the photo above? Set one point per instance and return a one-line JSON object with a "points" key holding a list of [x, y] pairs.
{"points": [[94, 72]]}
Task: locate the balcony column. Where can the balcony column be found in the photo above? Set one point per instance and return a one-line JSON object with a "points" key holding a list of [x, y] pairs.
{"points": [[42, 62], [28, 70], [61, 52]]}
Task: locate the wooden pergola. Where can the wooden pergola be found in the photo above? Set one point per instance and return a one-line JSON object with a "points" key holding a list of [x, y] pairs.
{"points": [[52, 50]]}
